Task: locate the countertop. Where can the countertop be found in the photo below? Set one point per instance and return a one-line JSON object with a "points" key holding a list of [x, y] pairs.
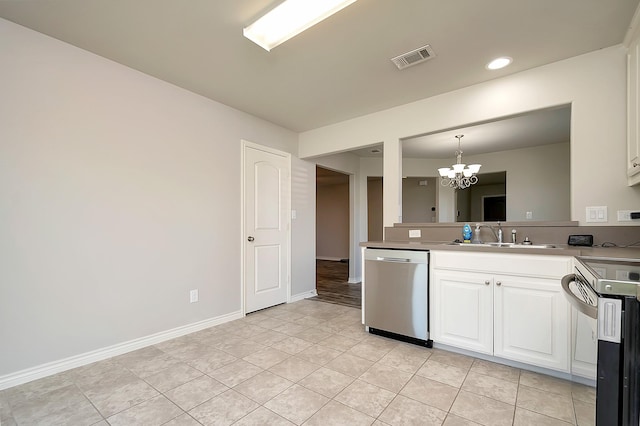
{"points": [[560, 249]]}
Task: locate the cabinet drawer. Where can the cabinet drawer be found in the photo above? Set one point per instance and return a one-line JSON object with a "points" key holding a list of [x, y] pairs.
{"points": [[539, 266]]}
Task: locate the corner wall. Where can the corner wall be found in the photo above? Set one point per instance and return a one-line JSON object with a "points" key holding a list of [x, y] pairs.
{"points": [[118, 194]]}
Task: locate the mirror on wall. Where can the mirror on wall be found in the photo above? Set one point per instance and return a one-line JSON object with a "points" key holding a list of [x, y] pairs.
{"points": [[525, 173]]}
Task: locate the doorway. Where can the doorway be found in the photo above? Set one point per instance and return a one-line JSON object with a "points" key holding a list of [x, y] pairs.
{"points": [[333, 239]]}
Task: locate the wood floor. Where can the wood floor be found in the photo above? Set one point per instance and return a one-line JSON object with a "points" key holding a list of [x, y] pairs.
{"points": [[333, 286]]}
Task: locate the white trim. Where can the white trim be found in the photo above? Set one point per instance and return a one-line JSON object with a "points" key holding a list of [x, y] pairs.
{"points": [[243, 146], [333, 259], [355, 280], [302, 296], [50, 368]]}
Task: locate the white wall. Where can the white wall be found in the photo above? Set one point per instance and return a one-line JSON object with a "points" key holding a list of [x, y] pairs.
{"points": [[303, 255], [118, 194], [594, 84]]}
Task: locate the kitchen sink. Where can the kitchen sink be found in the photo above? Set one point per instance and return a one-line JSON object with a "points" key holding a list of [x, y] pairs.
{"points": [[504, 245]]}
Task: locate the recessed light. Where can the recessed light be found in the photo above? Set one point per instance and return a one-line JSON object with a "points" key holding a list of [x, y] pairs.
{"points": [[498, 63]]}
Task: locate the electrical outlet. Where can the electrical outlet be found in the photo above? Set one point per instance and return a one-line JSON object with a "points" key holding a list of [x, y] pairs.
{"points": [[415, 233], [529, 215], [624, 215], [193, 296], [627, 215]]}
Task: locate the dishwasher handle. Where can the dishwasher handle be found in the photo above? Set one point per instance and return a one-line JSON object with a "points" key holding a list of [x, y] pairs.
{"points": [[579, 304], [392, 259]]}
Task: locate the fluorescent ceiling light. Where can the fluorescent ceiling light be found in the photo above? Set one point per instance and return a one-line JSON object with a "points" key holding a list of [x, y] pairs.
{"points": [[498, 63], [290, 18]]}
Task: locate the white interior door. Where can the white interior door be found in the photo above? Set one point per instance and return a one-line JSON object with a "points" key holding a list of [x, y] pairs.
{"points": [[266, 227]]}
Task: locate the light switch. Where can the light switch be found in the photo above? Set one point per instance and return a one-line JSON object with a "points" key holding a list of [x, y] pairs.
{"points": [[597, 214]]}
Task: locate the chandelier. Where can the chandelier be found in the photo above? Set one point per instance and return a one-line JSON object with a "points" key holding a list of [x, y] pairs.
{"points": [[457, 176]]}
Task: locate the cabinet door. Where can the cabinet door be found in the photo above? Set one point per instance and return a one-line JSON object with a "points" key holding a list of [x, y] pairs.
{"points": [[531, 322], [461, 310]]}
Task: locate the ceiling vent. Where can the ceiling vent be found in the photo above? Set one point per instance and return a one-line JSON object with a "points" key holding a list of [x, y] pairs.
{"points": [[414, 57]]}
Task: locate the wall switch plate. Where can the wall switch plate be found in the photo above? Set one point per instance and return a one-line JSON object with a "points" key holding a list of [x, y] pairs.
{"points": [[415, 233], [529, 215], [597, 214], [193, 296], [294, 214]]}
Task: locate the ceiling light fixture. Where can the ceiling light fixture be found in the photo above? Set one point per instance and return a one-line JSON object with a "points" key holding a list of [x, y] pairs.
{"points": [[457, 176], [498, 63], [289, 19]]}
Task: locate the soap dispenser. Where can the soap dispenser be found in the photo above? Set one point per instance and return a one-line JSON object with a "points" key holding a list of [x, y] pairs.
{"points": [[466, 233], [476, 235]]}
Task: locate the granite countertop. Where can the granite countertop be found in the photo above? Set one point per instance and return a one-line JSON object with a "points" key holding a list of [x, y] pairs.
{"points": [[559, 250]]}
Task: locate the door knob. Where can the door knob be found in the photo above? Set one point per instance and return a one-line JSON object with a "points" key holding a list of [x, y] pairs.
{"points": [[250, 239]]}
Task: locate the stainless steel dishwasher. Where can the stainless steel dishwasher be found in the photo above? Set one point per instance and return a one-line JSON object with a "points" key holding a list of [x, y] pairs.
{"points": [[396, 292]]}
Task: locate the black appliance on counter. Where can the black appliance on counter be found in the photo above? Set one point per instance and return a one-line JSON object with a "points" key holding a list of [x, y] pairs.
{"points": [[609, 291]]}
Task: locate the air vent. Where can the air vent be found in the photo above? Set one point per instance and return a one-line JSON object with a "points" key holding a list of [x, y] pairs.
{"points": [[414, 57]]}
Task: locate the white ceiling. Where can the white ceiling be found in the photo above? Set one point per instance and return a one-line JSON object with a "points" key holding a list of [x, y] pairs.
{"points": [[338, 69], [533, 129]]}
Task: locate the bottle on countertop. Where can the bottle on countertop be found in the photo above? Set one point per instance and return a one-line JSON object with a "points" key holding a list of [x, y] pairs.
{"points": [[466, 233], [476, 235]]}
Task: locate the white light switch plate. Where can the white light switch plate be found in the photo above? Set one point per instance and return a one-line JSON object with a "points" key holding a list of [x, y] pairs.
{"points": [[597, 214]]}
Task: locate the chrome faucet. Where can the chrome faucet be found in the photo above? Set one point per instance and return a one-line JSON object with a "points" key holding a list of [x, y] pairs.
{"points": [[497, 235]]}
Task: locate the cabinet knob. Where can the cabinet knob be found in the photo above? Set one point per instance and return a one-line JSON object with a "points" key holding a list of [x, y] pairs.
{"points": [[636, 164], [487, 282], [498, 282]]}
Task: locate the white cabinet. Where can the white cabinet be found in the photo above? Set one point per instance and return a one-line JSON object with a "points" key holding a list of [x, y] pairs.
{"points": [[531, 321], [507, 305], [633, 119], [461, 310]]}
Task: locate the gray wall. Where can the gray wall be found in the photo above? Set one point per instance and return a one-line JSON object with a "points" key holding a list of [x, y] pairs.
{"points": [[375, 229], [332, 221], [417, 200], [118, 194], [538, 179]]}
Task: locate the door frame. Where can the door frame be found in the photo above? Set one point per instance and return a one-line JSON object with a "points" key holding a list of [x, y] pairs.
{"points": [[243, 234]]}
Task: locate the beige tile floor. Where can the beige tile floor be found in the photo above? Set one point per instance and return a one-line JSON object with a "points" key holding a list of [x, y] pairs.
{"points": [[307, 363]]}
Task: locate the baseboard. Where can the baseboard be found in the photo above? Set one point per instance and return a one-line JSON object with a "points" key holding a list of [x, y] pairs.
{"points": [[334, 259], [302, 296], [48, 369]]}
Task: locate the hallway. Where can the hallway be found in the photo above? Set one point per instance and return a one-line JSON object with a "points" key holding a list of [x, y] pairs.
{"points": [[332, 284]]}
